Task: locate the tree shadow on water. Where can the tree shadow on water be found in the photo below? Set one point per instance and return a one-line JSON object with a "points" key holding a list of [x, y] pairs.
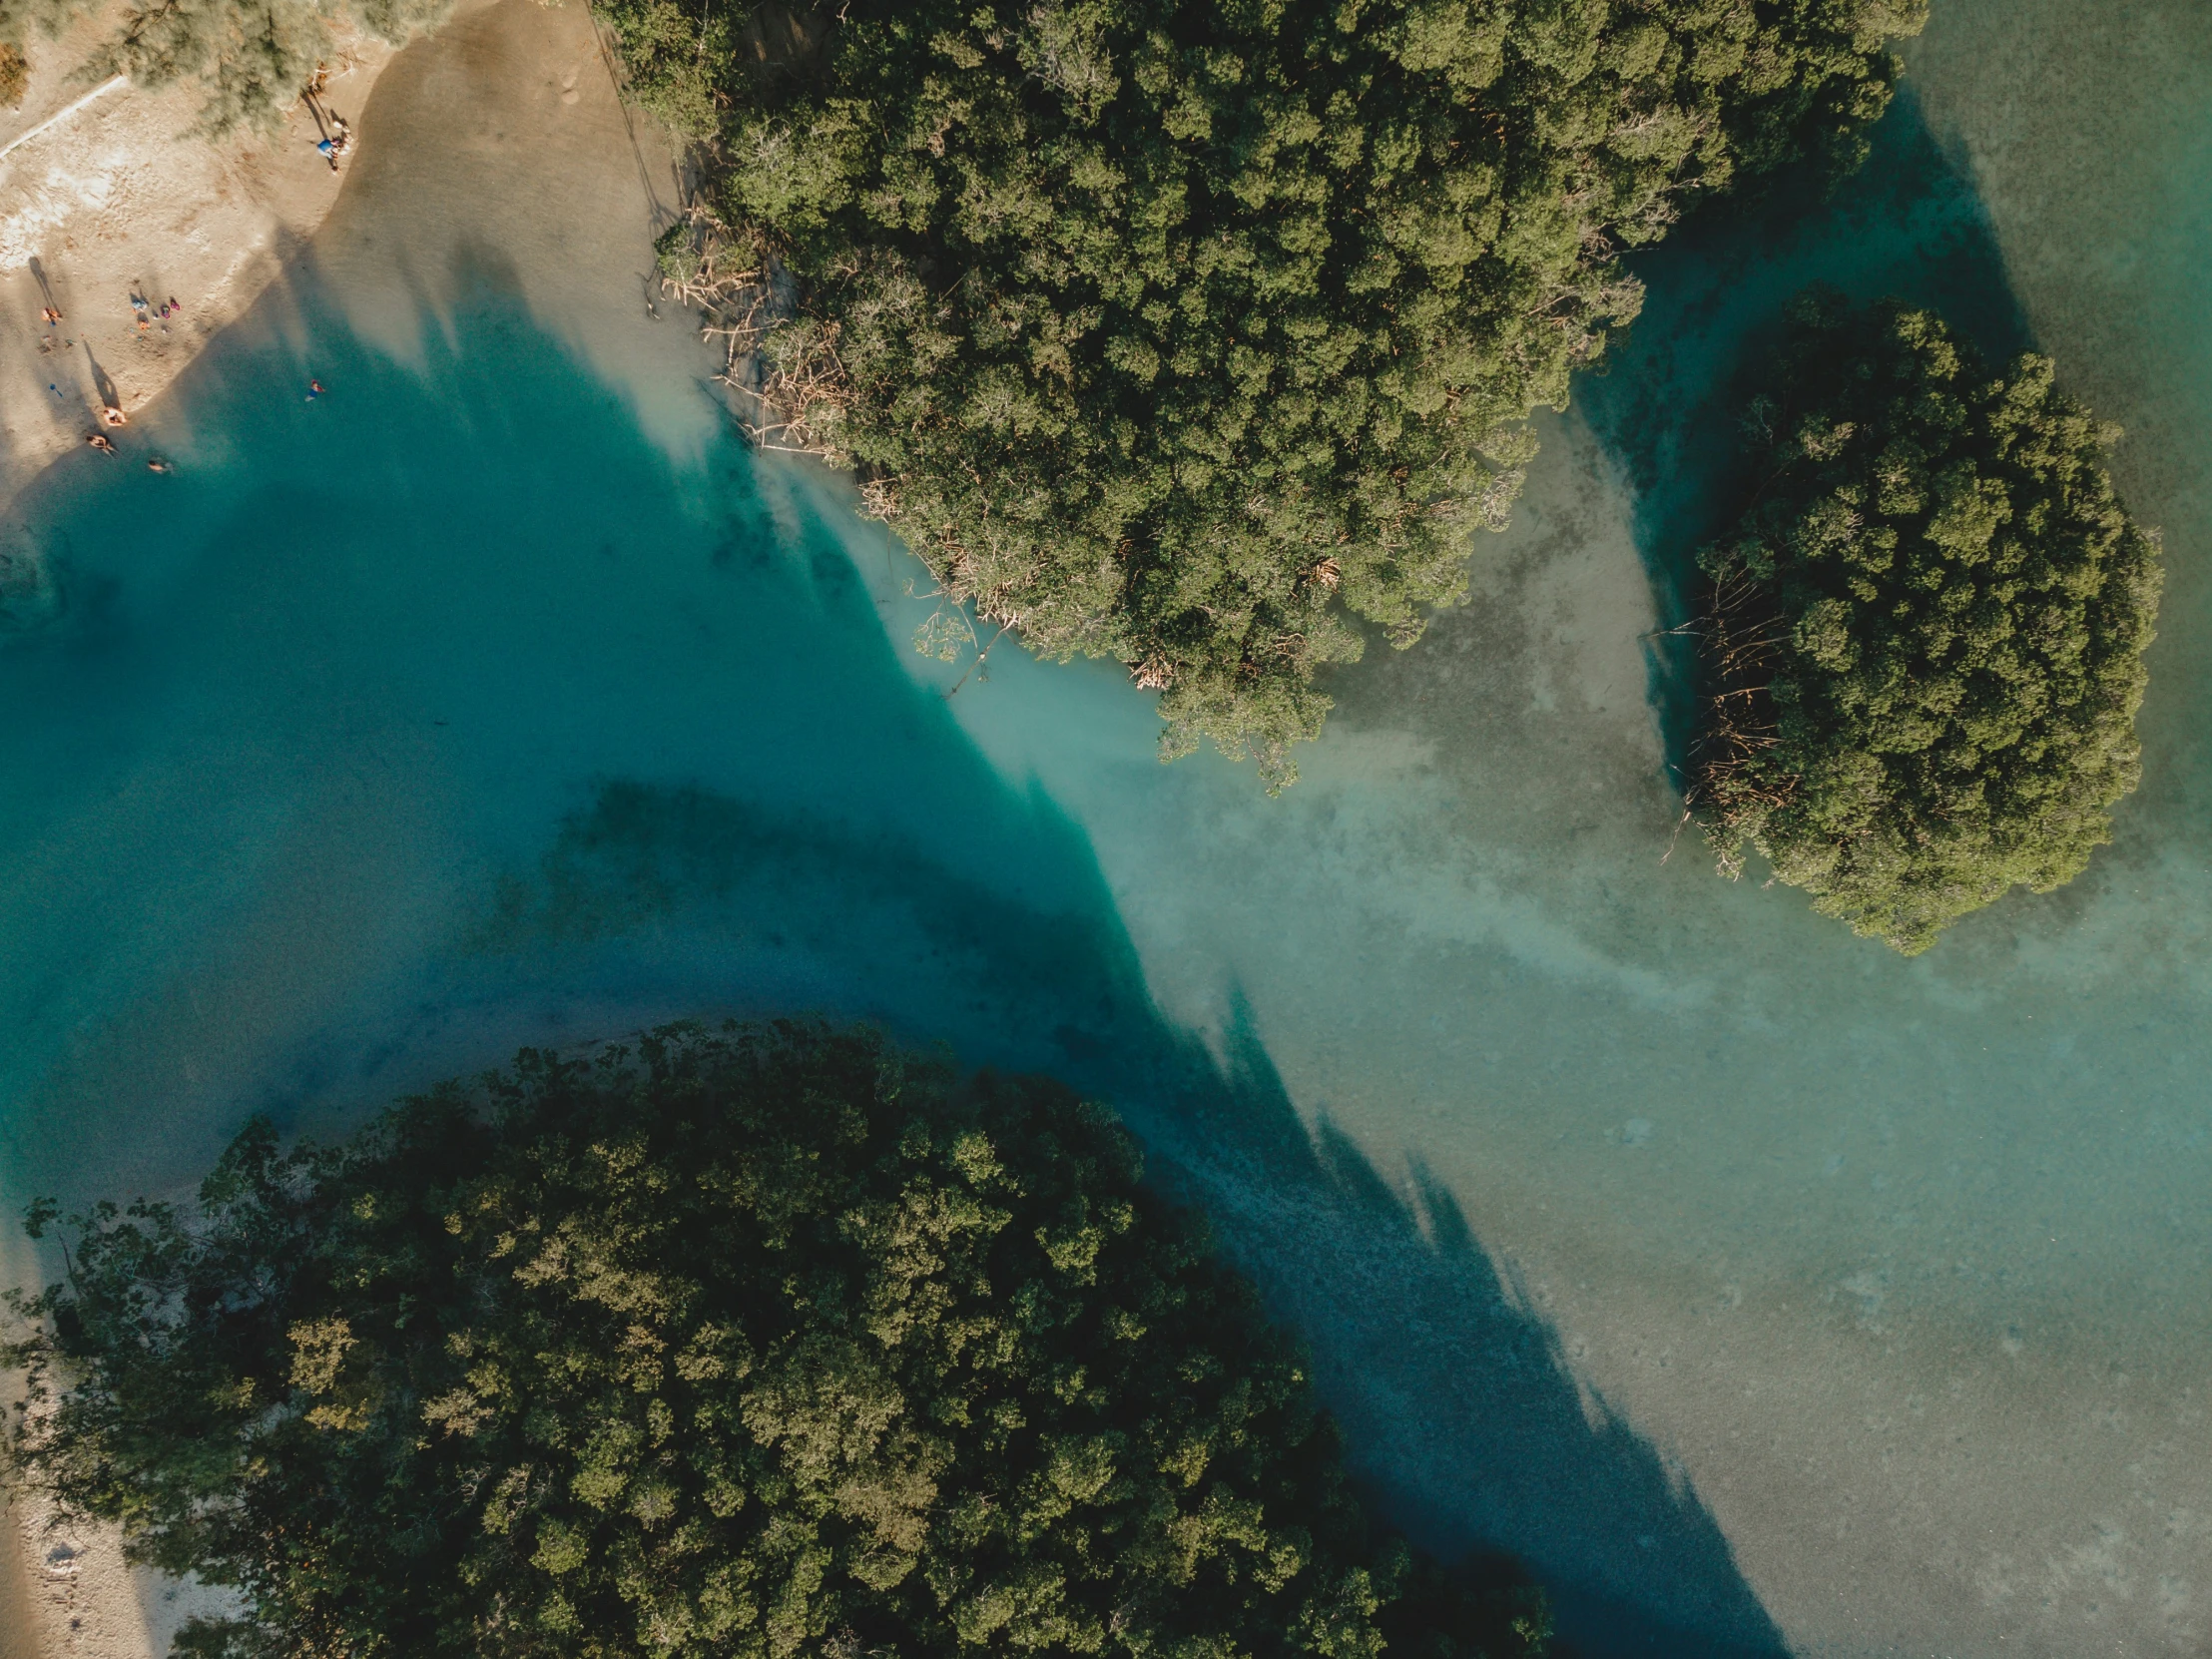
{"points": [[909, 882], [1909, 224], [1462, 1414], [1461, 1410], [840, 843]]}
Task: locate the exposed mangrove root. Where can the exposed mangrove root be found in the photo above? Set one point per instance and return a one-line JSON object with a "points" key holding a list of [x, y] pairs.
{"points": [[1740, 635], [786, 366]]}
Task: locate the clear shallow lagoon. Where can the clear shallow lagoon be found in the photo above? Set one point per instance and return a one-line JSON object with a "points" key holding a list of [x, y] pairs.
{"points": [[1763, 1289]]}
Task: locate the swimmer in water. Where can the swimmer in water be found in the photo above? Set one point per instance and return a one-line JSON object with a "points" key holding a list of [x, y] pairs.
{"points": [[99, 441], [314, 390], [156, 465]]}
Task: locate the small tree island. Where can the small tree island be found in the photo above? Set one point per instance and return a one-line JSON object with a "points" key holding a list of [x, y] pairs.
{"points": [[1199, 334], [1924, 639], [758, 1342]]}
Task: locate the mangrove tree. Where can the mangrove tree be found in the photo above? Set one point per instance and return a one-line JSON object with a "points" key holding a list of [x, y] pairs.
{"points": [[1199, 334], [767, 1341], [1926, 635]]}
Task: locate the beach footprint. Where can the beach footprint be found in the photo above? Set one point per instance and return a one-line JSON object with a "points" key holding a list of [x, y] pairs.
{"points": [[569, 94]]}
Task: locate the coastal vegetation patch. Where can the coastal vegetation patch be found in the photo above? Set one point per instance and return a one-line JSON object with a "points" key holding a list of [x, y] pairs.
{"points": [[1201, 334], [15, 76], [250, 59], [768, 1341], [1925, 637]]}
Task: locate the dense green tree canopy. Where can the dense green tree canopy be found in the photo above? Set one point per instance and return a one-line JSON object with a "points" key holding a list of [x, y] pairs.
{"points": [[249, 57], [766, 1342], [1927, 633], [1194, 332]]}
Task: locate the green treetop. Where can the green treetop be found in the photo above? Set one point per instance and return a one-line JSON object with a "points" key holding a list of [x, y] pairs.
{"points": [[1193, 333], [1927, 633], [767, 1343]]}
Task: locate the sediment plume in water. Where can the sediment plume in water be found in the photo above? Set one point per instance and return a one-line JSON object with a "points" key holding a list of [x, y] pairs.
{"points": [[1762, 1290]]}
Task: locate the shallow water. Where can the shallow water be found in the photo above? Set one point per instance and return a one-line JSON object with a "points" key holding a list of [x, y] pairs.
{"points": [[1762, 1289]]}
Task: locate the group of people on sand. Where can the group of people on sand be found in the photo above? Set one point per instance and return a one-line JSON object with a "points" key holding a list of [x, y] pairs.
{"points": [[146, 310], [111, 417]]}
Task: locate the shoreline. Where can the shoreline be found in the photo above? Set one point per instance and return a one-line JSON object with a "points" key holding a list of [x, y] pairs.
{"points": [[464, 126], [103, 196], [1834, 1330]]}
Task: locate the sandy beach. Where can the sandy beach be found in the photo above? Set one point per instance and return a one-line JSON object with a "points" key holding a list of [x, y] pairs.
{"points": [[103, 196]]}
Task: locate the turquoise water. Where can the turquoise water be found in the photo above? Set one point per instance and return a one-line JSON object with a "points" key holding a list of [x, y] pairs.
{"points": [[1762, 1289]]}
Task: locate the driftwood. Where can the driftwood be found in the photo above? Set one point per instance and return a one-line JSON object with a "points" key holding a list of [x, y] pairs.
{"points": [[783, 366], [802, 390], [704, 263]]}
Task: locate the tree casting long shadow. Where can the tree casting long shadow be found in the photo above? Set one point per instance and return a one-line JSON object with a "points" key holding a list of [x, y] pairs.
{"points": [[952, 907], [830, 838], [1460, 1408], [1907, 224]]}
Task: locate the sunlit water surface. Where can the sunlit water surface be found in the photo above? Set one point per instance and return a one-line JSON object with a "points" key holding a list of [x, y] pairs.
{"points": [[1758, 1286]]}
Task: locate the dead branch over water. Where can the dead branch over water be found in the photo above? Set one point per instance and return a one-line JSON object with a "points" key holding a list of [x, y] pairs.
{"points": [[786, 366], [1740, 635]]}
